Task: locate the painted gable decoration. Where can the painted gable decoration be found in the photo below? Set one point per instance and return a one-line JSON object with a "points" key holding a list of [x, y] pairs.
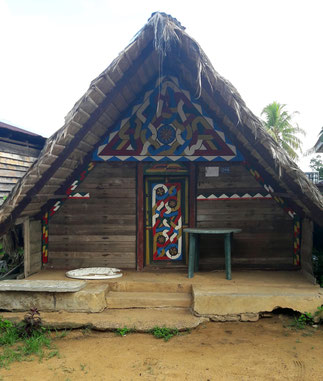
{"points": [[167, 125]]}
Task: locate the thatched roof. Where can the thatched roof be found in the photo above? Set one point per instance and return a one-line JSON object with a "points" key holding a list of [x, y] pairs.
{"points": [[161, 46]]}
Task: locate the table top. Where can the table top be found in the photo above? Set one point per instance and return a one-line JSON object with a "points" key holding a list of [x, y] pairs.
{"points": [[211, 230]]}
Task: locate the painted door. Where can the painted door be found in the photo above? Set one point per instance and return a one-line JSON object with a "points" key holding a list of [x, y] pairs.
{"points": [[166, 215]]}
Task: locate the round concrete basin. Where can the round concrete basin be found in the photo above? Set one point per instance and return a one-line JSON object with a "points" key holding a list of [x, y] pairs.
{"points": [[94, 273]]}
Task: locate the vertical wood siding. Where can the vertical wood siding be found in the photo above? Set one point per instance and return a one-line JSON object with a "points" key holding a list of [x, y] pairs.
{"points": [[100, 231], [266, 239]]}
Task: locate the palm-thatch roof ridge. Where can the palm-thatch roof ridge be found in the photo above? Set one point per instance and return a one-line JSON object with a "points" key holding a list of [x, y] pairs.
{"points": [[161, 46]]}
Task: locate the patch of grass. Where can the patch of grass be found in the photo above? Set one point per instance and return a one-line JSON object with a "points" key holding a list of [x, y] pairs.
{"points": [[164, 332], [8, 332], [19, 342]]}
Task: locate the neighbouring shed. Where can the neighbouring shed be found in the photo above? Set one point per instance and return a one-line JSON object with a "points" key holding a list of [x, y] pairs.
{"points": [[18, 150]]}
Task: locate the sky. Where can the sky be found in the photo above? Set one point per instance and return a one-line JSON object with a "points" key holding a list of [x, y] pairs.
{"points": [[50, 51]]}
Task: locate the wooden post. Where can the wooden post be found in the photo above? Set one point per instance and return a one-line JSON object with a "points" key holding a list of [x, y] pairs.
{"points": [[306, 249], [26, 231], [192, 196], [32, 246], [140, 217]]}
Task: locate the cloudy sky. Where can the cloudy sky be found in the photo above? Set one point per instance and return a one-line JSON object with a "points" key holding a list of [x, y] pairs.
{"points": [[50, 50]]}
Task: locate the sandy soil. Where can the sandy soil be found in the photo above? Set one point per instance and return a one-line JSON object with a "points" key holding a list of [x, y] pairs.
{"points": [[265, 350]]}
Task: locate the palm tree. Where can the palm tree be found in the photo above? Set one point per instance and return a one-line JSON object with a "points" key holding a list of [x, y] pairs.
{"points": [[278, 123]]}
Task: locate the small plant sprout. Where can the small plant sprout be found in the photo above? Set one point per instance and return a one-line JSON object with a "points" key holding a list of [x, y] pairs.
{"points": [[123, 331]]}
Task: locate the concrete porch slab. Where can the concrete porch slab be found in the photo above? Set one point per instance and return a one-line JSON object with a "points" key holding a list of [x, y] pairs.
{"points": [[228, 300], [242, 298]]}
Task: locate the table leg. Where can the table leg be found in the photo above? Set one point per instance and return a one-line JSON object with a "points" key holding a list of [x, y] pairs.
{"points": [[227, 249], [197, 253], [191, 255]]}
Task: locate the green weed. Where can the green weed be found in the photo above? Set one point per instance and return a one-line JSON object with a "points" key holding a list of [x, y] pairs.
{"points": [[52, 354], [86, 331], [61, 334], [164, 332], [123, 331], [306, 319]]}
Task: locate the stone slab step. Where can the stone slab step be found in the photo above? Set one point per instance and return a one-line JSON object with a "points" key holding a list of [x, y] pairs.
{"points": [[91, 298], [148, 299], [141, 320], [41, 285], [153, 286]]}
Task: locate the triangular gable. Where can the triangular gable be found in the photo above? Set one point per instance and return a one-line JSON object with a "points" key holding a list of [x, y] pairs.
{"points": [[167, 125]]}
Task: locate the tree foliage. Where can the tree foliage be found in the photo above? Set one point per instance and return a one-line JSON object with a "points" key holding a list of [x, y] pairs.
{"points": [[279, 124], [316, 164]]}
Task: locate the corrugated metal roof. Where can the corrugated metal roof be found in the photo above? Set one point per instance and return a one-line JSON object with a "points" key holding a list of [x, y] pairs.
{"points": [[17, 129]]}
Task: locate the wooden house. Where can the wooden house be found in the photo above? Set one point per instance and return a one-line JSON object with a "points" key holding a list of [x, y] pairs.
{"points": [[160, 142], [18, 150]]}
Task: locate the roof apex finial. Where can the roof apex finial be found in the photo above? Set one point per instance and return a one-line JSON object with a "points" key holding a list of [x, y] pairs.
{"points": [[169, 17]]}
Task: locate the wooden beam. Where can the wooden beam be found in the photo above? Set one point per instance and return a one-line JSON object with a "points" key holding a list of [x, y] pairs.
{"points": [[306, 249]]}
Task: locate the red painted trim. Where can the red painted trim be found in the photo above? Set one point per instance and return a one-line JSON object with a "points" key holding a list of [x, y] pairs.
{"points": [[78, 198], [192, 195], [140, 217], [234, 199]]}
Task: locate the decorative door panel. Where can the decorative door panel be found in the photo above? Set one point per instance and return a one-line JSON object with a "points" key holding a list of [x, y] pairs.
{"points": [[166, 215], [167, 227]]}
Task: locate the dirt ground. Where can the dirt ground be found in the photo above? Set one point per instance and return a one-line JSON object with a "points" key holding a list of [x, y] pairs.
{"points": [[264, 350]]}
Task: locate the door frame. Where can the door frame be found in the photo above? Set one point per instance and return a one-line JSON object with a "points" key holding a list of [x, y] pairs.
{"points": [[140, 258]]}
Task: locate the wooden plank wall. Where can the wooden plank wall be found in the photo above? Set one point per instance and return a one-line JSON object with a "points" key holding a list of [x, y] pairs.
{"points": [[266, 240], [15, 160], [100, 231]]}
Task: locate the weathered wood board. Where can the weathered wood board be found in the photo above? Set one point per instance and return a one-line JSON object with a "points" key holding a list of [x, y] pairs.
{"points": [[101, 230], [266, 239]]}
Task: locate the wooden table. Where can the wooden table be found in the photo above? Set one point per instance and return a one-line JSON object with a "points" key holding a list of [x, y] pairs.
{"points": [[193, 256]]}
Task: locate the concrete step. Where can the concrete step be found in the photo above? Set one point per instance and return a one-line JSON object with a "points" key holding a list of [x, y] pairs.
{"points": [[153, 286], [148, 299]]}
